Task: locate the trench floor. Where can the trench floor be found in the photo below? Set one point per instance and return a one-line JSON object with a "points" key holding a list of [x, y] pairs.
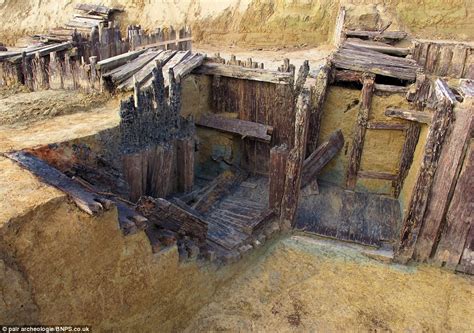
{"points": [[309, 284]]}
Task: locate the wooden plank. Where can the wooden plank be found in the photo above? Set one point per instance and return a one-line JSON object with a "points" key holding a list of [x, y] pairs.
{"points": [[392, 35], [459, 217], [86, 201], [412, 224], [98, 9], [315, 162], [387, 88], [42, 51], [278, 160], [186, 66], [236, 126], [376, 125], [185, 164], [244, 73], [289, 204], [166, 43], [346, 75], [418, 116], [377, 175], [466, 264], [450, 163], [139, 77], [379, 47], [145, 76], [360, 129], [122, 73], [339, 26], [114, 62], [225, 235]]}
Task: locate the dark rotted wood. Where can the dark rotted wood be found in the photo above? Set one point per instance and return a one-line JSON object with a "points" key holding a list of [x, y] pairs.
{"points": [[412, 135], [466, 264], [289, 204], [439, 127], [225, 235], [449, 166], [236, 126], [364, 60], [388, 35], [421, 91], [185, 164], [133, 172], [85, 200], [376, 125], [301, 77], [219, 187], [130, 221], [432, 57], [315, 162], [377, 175], [459, 217], [168, 215], [277, 175], [243, 73], [424, 117], [346, 75], [360, 129], [241, 219], [319, 87]]}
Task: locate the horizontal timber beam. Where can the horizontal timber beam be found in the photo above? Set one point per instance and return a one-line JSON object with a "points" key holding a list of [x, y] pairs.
{"points": [[418, 116], [386, 126]]}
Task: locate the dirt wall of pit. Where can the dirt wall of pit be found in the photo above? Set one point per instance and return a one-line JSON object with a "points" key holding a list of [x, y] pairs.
{"points": [[58, 264], [255, 23]]}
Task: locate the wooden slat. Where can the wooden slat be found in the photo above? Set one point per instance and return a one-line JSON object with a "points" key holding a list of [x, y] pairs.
{"points": [[242, 127], [418, 116], [244, 73], [186, 66], [377, 175], [379, 47], [278, 159], [113, 62], [126, 71]]}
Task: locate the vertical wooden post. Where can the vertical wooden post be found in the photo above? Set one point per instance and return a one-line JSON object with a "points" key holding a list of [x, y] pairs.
{"points": [[289, 204], [185, 164], [439, 128], [359, 133], [93, 74], [412, 135], [278, 159]]}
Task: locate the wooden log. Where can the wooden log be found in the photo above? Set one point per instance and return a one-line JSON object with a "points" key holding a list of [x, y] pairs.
{"points": [[413, 221], [278, 160], [379, 47], [236, 126], [418, 116], [359, 133], [392, 89], [185, 164], [450, 162], [346, 75], [243, 73], [114, 62], [412, 135], [313, 165], [86, 201], [289, 204], [459, 217]]}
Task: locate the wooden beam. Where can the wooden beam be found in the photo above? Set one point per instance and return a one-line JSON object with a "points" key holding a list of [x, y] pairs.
{"points": [[347, 75], [244, 73], [114, 62], [376, 125], [278, 160], [377, 175], [186, 66], [424, 117], [315, 162], [359, 133], [444, 181], [41, 51], [393, 35], [165, 43], [413, 222], [185, 164], [242, 127], [411, 140], [379, 47], [387, 88], [126, 71], [296, 157]]}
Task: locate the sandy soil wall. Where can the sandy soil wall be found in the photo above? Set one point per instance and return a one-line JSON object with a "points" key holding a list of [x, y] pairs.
{"points": [[261, 23]]}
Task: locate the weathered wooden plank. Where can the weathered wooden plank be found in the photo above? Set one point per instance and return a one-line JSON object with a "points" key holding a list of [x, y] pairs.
{"points": [[466, 264], [208, 68], [289, 204], [424, 117], [97, 9], [387, 88], [392, 35], [236, 126], [360, 129], [339, 26], [86, 201], [122, 73], [439, 127], [377, 125], [379, 47], [315, 162], [459, 217], [444, 181], [377, 175], [186, 66], [114, 62], [278, 160], [140, 76], [225, 235], [185, 164]]}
